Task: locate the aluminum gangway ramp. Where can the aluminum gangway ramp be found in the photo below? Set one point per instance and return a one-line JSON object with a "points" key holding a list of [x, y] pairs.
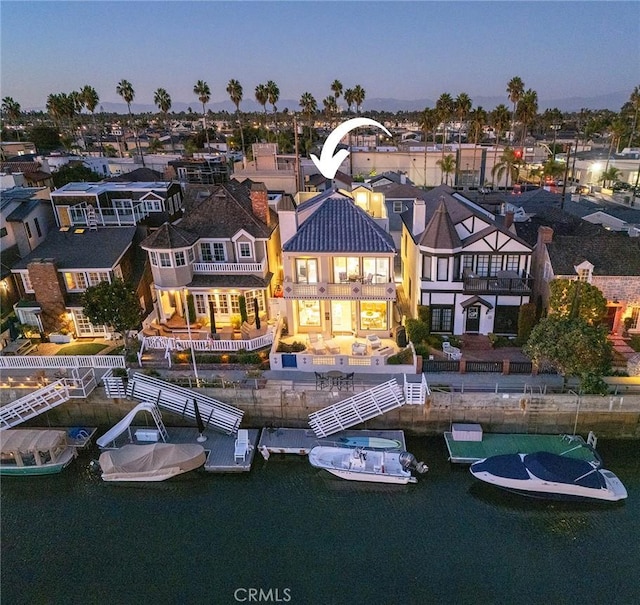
{"points": [[359, 408], [215, 414], [33, 404]]}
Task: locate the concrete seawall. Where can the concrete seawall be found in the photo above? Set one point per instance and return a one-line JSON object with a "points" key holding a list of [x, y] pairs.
{"points": [[609, 416]]}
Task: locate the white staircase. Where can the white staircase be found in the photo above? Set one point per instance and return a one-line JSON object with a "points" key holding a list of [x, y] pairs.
{"points": [[33, 404], [215, 414], [359, 408], [92, 223], [416, 392]]}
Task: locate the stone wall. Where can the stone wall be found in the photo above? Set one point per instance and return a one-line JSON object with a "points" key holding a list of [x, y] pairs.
{"points": [[610, 417]]}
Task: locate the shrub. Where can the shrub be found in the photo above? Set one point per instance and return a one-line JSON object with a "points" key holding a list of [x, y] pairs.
{"points": [[402, 357], [120, 373], [591, 384], [294, 347], [526, 322], [417, 330], [423, 350], [634, 342], [424, 314], [242, 303]]}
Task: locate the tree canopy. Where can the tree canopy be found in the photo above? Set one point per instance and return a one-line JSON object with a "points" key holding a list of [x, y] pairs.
{"points": [[113, 304], [572, 346], [73, 173], [574, 298]]}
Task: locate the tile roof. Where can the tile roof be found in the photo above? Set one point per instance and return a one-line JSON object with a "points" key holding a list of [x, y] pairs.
{"points": [[338, 225], [610, 253], [441, 232], [169, 236], [98, 249], [223, 210]]}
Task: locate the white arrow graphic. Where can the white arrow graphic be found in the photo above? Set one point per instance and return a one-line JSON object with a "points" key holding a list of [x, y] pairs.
{"points": [[329, 162]]}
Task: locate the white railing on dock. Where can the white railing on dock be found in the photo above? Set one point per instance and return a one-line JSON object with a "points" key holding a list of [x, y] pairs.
{"points": [[62, 361], [359, 408], [33, 404], [114, 386], [416, 392]]}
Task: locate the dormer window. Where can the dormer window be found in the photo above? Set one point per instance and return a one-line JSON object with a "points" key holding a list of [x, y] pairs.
{"points": [[244, 250], [584, 274], [584, 271]]}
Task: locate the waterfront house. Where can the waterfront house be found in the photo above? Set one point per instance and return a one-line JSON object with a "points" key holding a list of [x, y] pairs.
{"points": [[226, 245], [338, 265], [470, 268]]}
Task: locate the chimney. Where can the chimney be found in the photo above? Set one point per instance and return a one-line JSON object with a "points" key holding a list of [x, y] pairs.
{"points": [[49, 292], [508, 219], [403, 178], [545, 235], [260, 202], [419, 217]]}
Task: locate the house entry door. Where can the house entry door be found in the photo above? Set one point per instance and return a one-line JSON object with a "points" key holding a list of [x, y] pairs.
{"points": [[473, 319], [341, 316]]}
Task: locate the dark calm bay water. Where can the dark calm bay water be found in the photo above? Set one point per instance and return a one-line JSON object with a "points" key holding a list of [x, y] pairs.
{"points": [[305, 538]]}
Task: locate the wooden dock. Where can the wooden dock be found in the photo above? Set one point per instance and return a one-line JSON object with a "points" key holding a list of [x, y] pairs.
{"points": [[300, 441], [493, 444], [220, 448]]}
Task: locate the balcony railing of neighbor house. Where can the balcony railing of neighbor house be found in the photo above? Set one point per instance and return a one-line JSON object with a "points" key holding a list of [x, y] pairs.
{"points": [[229, 268], [342, 291], [62, 361], [502, 282], [110, 216]]}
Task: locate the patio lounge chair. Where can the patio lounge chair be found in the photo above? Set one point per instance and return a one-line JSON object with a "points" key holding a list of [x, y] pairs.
{"points": [[450, 351], [242, 445], [374, 341], [358, 348]]}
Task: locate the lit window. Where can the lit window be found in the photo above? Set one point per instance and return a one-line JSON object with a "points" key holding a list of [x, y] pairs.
{"points": [[75, 281], [306, 271], [309, 313], [201, 305]]}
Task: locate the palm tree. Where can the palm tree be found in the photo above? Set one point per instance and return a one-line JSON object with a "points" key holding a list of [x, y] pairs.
{"points": [[447, 166], [462, 107], [234, 90], [478, 122], [349, 95], [309, 107], [610, 175], [509, 164], [527, 110], [11, 112], [336, 88], [90, 99], [616, 129], [358, 97], [444, 109], [330, 108], [500, 120], [125, 90], [428, 123], [162, 99], [515, 90], [203, 92], [273, 94], [155, 145], [634, 99], [61, 107], [262, 97]]}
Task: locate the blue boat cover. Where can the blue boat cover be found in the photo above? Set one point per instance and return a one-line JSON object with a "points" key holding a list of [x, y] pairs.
{"points": [[560, 469], [504, 465]]}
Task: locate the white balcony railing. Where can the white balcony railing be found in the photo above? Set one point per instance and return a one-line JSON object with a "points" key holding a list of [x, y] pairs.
{"points": [[342, 291], [226, 268]]}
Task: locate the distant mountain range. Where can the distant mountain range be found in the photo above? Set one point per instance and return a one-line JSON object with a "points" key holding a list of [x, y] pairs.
{"points": [[613, 101]]}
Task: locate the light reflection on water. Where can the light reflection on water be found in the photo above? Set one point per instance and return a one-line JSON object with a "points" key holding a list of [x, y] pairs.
{"points": [[71, 538]]}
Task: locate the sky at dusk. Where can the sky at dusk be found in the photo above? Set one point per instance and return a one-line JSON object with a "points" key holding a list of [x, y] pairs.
{"points": [[401, 50]]}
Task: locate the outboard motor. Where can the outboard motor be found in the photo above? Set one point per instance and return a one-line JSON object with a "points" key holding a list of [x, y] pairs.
{"points": [[409, 462]]}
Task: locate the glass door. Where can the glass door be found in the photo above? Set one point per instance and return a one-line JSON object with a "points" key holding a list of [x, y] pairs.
{"points": [[341, 320]]}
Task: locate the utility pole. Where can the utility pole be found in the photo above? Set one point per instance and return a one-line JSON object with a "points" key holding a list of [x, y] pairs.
{"points": [[564, 181], [295, 138]]}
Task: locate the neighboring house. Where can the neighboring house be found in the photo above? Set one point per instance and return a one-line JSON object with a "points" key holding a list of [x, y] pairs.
{"points": [[25, 221], [338, 265], [115, 203], [569, 248], [227, 244], [53, 277], [472, 271], [35, 169], [200, 171]]}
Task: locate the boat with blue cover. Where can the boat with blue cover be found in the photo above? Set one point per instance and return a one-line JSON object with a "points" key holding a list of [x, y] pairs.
{"points": [[550, 476]]}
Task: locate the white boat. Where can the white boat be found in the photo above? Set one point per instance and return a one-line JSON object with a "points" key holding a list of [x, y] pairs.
{"points": [[154, 462], [549, 476], [362, 464], [34, 451]]}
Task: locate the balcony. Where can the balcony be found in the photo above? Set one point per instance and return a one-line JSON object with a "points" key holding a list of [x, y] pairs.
{"points": [[230, 268], [105, 217], [343, 291], [504, 282]]}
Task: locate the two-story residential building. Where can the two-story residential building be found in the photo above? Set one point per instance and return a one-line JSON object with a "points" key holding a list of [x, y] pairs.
{"points": [[115, 203], [53, 277], [226, 245], [338, 265], [471, 270]]}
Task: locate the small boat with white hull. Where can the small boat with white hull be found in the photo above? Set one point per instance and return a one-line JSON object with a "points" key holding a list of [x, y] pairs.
{"points": [[550, 476], [361, 464]]}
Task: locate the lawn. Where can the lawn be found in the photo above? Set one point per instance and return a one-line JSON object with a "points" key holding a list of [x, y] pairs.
{"points": [[89, 348]]}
